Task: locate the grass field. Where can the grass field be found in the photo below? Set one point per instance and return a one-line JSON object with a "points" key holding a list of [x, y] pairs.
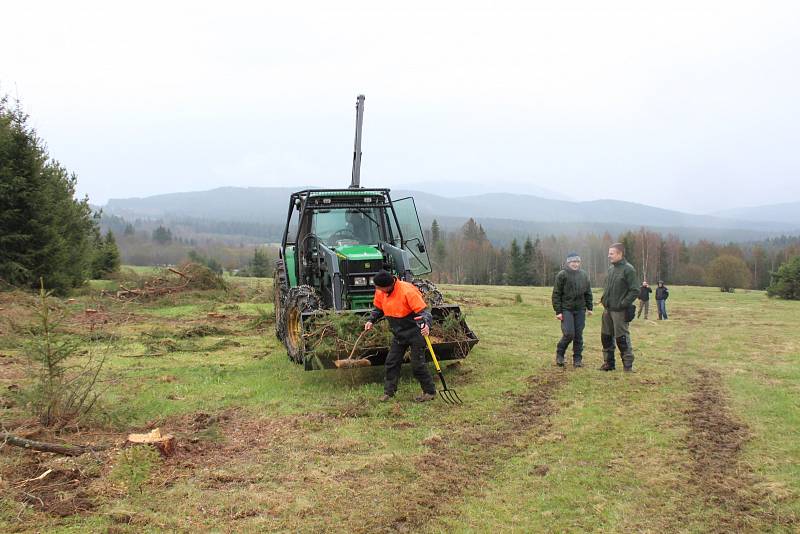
{"points": [[703, 437]]}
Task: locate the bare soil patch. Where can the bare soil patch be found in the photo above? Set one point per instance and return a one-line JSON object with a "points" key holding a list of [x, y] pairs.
{"points": [[453, 463], [714, 442], [58, 487], [387, 493], [234, 450]]}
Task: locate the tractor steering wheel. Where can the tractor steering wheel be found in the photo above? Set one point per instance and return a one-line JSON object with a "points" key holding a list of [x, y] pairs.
{"points": [[342, 234]]}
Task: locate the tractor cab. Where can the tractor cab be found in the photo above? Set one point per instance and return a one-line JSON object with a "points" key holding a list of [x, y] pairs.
{"points": [[337, 240]]}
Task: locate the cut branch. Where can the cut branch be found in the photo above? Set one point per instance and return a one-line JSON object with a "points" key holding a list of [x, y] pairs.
{"points": [[41, 446]]}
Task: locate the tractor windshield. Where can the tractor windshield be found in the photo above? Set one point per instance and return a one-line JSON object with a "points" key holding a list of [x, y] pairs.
{"points": [[347, 226]]}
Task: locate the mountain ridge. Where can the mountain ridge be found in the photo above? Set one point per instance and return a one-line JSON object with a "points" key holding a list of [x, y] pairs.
{"points": [[270, 205]]}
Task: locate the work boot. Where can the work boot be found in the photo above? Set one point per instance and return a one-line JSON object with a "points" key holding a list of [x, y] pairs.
{"points": [[608, 361], [577, 360], [559, 359], [628, 369], [385, 397], [425, 397], [577, 363]]}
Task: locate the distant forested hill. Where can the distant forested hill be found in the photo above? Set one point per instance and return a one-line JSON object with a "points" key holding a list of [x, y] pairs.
{"points": [[787, 213], [502, 215]]}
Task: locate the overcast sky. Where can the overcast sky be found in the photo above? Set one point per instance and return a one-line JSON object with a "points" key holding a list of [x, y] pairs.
{"points": [[685, 107]]}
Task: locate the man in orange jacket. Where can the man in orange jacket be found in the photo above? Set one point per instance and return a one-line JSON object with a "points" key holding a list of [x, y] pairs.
{"points": [[402, 305]]}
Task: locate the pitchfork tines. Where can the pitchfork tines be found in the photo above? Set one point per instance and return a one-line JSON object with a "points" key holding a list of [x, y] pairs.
{"points": [[448, 395]]}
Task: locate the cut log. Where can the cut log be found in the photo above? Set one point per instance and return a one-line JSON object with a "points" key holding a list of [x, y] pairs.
{"points": [[164, 443], [41, 446], [350, 363]]}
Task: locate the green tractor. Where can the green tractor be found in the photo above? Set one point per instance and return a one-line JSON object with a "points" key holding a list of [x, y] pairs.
{"points": [[334, 242]]}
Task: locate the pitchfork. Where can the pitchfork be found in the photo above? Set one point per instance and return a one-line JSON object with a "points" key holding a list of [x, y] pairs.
{"points": [[448, 395]]}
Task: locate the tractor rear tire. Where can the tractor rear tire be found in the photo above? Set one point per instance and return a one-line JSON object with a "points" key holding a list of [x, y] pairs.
{"points": [[433, 297], [280, 289], [299, 300]]}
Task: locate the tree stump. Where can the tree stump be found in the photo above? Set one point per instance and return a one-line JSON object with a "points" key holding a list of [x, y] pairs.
{"points": [[164, 443]]}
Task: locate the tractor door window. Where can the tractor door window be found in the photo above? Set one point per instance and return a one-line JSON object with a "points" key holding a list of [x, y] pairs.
{"points": [[291, 232], [413, 239], [342, 227]]}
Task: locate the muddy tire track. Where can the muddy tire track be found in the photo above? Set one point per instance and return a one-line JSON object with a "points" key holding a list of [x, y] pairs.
{"points": [[390, 494], [452, 468], [719, 477]]}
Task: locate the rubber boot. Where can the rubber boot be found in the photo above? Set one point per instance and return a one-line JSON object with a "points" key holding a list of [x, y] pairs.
{"points": [[608, 352], [626, 351]]}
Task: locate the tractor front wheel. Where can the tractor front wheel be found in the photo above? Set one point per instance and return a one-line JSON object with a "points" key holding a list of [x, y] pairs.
{"points": [[299, 300]]}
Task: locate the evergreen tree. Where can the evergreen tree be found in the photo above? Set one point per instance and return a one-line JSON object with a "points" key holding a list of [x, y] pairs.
{"points": [[786, 282], [436, 233], [628, 240], [162, 235], [516, 272], [761, 274], [472, 232], [44, 231], [129, 230], [529, 260], [259, 266], [106, 256]]}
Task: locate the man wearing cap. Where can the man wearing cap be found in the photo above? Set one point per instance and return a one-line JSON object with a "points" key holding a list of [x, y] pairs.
{"points": [[402, 305], [662, 294], [572, 299], [644, 300], [619, 293]]}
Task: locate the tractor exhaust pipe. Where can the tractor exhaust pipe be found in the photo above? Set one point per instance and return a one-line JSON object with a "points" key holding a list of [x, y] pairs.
{"points": [[355, 182]]}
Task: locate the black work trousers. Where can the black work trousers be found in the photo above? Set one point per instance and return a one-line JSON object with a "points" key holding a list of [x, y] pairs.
{"points": [[394, 360], [572, 324]]}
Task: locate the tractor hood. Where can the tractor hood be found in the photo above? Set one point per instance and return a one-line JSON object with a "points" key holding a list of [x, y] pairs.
{"points": [[359, 252]]}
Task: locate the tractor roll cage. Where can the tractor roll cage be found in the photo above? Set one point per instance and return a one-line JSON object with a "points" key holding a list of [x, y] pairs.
{"points": [[304, 196]]}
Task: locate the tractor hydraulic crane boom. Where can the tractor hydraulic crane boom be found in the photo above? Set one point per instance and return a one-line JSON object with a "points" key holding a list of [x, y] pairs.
{"points": [[355, 183]]}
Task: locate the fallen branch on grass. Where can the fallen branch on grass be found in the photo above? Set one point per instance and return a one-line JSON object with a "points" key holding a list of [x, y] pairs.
{"points": [[41, 446], [189, 276]]}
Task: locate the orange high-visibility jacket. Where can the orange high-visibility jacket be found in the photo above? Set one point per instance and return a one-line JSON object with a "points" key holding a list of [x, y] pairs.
{"points": [[404, 300]]}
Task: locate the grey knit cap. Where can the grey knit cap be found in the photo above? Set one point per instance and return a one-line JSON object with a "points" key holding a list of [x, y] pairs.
{"points": [[573, 256]]}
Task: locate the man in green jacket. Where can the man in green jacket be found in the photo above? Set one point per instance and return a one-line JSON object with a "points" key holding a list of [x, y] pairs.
{"points": [[619, 294], [572, 299]]}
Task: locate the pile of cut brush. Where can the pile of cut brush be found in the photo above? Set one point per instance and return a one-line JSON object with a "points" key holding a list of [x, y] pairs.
{"points": [[337, 337], [187, 276]]}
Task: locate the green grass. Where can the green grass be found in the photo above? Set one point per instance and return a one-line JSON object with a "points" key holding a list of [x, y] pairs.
{"points": [[305, 451], [142, 269]]}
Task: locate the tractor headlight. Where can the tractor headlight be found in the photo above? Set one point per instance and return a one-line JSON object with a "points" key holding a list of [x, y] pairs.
{"points": [[360, 281]]}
